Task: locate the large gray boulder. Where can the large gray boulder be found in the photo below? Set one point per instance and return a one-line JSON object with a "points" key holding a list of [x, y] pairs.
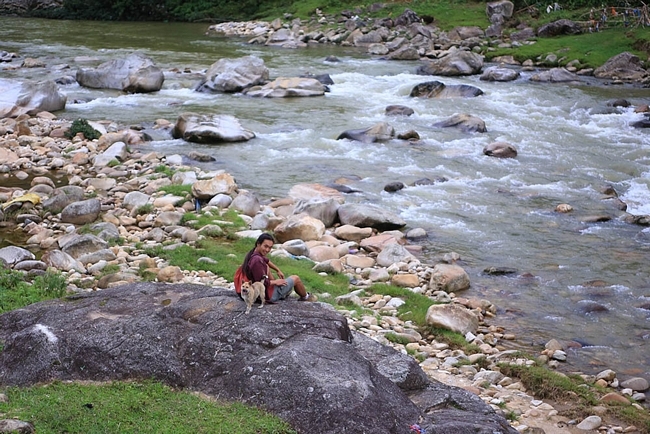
{"points": [[12, 255], [504, 8], [134, 74], [80, 245], [197, 128], [464, 122], [499, 73], [62, 197], [27, 97], [437, 89], [377, 133], [624, 66], [366, 215], [456, 63], [234, 75], [559, 27], [325, 210], [287, 87], [82, 212], [556, 75], [299, 361]]}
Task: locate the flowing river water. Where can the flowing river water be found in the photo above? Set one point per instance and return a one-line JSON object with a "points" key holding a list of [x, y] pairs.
{"points": [[492, 212]]}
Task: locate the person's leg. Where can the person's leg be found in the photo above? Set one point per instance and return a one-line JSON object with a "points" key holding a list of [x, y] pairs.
{"points": [[298, 286]]}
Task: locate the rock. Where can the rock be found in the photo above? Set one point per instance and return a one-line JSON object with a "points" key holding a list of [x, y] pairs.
{"points": [[168, 218], [377, 133], [462, 33], [234, 75], [437, 89], [637, 384], [314, 192], [498, 73], [285, 353], [398, 110], [82, 212], [220, 201], [465, 122], [329, 266], [323, 253], [198, 156], [392, 254], [615, 398], [564, 208], [246, 203], [410, 135], [369, 216], [62, 261], [221, 183], [559, 27], [379, 49], [135, 200], [169, 274], [407, 17], [296, 247], [325, 79], [16, 426], [556, 75], [134, 74], [63, 197], [392, 187], [449, 278], [30, 265], [405, 280], [500, 150], [284, 87], [452, 317], [299, 226], [590, 423], [454, 64], [12, 255], [97, 256], [197, 128], [28, 97], [352, 233], [404, 53], [623, 66], [323, 210], [355, 261], [79, 245], [504, 8]]}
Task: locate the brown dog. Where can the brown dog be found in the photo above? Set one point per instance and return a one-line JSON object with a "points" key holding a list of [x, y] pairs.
{"points": [[250, 291]]}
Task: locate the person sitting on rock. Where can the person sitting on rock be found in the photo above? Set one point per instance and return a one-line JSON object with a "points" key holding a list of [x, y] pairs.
{"points": [[257, 267]]}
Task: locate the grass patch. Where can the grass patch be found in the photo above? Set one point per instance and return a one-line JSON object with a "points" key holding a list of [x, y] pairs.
{"points": [[144, 209], [182, 190], [396, 339], [17, 291], [415, 308], [125, 407], [109, 269], [165, 170]]}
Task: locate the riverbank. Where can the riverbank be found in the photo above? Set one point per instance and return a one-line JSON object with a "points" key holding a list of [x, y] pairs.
{"points": [[134, 208]]}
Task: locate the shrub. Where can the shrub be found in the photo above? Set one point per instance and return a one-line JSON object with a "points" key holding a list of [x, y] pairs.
{"points": [[82, 126]]}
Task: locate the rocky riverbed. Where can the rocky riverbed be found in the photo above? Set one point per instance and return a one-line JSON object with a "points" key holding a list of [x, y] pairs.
{"points": [[65, 186]]}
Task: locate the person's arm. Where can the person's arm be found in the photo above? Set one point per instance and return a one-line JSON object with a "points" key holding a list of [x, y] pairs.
{"points": [[276, 269]]}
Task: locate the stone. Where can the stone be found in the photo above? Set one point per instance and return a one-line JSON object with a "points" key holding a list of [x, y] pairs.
{"points": [[234, 75], [449, 278], [355, 261], [559, 27], [452, 317], [62, 261], [405, 280], [377, 275], [500, 150], [210, 129], [637, 384], [16, 426], [314, 192], [324, 210], [439, 90], [323, 253], [352, 233], [221, 183], [134, 74], [398, 110], [392, 254], [614, 397], [134, 200], [498, 73], [504, 8], [168, 218], [366, 215], [556, 75], [285, 87], [28, 97], [623, 66], [12, 255], [170, 274], [456, 63], [329, 266], [296, 247], [79, 245], [246, 203], [300, 226], [465, 122], [221, 200], [82, 212], [377, 133], [590, 423]]}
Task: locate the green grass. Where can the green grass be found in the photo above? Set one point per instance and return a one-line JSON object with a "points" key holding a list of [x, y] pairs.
{"points": [[591, 49], [182, 190], [125, 407], [415, 308], [144, 209], [165, 170], [17, 291]]}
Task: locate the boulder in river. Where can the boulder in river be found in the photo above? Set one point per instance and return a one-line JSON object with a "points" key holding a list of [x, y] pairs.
{"points": [[234, 75], [378, 133], [134, 74], [28, 97], [437, 89], [465, 122], [500, 150], [623, 66], [286, 87], [499, 73], [366, 215], [197, 128], [556, 75], [299, 361], [456, 63]]}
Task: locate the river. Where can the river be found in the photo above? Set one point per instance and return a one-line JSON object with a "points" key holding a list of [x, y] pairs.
{"points": [[492, 212]]}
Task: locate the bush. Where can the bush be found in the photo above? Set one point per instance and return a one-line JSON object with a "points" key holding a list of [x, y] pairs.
{"points": [[82, 126]]}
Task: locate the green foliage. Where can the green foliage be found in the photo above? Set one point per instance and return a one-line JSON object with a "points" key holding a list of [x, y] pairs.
{"points": [[82, 126], [121, 407], [396, 338], [16, 291], [168, 171], [144, 209], [453, 339], [114, 162], [182, 190], [416, 306]]}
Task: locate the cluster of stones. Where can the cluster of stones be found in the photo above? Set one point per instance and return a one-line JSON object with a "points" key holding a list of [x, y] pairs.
{"points": [[113, 190], [411, 37]]}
